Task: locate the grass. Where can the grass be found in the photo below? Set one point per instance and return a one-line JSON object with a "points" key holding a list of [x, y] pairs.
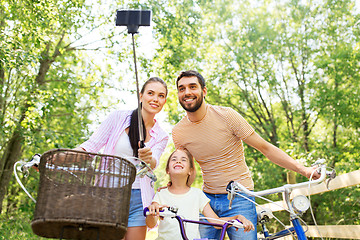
{"points": [[18, 227]]}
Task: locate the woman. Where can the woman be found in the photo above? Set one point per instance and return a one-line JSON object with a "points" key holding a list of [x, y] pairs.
{"points": [[119, 135]]}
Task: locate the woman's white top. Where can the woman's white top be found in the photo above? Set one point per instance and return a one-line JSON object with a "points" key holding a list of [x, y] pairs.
{"points": [[123, 149]]}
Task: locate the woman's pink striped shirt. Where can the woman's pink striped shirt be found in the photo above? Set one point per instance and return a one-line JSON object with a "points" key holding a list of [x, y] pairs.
{"points": [[107, 135]]}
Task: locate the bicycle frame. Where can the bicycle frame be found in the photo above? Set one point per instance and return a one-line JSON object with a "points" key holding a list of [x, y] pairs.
{"points": [[294, 219], [172, 212], [297, 228], [182, 227]]}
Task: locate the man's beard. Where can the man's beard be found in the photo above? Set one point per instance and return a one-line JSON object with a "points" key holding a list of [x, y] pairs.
{"points": [[197, 105]]}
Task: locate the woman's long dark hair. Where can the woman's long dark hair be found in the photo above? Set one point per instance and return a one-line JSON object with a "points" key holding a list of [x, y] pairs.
{"points": [[134, 126]]}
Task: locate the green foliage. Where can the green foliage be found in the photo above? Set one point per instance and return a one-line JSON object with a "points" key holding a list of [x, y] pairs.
{"points": [[49, 84], [291, 68], [16, 227], [15, 222]]}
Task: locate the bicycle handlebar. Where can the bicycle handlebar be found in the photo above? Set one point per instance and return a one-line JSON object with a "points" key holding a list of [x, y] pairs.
{"points": [[238, 187], [34, 162], [236, 223], [143, 169], [172, 212], [166, 212]]}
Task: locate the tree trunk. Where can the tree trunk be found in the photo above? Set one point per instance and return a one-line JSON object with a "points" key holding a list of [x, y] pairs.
{"points": [[305, 123], [10, 156], [2, 75], [12, 150], [2, 80], [291, 177], [335, 121]]}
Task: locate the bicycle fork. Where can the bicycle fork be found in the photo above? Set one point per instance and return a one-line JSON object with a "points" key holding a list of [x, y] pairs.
{"points": [[298, 229], [282, 233]]}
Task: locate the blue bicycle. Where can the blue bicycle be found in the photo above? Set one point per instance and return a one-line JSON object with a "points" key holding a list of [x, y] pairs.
{"points": [[296, 207]]}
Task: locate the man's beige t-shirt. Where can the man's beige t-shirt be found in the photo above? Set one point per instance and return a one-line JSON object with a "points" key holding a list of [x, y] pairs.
{"points": [[216, 143]]}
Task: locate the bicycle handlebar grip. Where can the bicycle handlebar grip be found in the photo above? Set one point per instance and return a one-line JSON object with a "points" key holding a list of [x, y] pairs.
{"points": [[236, 223], [146, 211], [161, 213]]}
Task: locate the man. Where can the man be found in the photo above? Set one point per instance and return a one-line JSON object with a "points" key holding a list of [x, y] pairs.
{"points": [[214, 136]]}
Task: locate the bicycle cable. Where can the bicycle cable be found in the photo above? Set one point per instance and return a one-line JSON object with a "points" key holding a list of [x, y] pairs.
{"points": [[20, 183], [108, 168], [270, 201], [311, 209], [144, 171], [218, 220], [305, 224]]}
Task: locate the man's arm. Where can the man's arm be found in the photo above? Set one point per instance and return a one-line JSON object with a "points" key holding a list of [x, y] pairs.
{"points": [[278, 156]]}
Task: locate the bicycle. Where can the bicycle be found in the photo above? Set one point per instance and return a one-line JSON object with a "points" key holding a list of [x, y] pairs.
{"points": [[71, 183], [296, 207], [172, 213]]}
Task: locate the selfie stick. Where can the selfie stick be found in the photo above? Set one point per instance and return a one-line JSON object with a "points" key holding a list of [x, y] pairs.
{"points": [[132, 19], [140, 122]]}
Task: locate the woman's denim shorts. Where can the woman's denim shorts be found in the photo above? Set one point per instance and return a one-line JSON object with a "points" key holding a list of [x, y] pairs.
{"points": [[136, 217]]}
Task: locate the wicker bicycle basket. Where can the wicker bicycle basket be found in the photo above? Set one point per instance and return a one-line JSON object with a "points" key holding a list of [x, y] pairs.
{"points": [[83, 195]]}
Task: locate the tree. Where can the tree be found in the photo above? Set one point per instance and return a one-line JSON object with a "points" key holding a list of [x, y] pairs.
{"points": [[48, 86], [290, 68]]}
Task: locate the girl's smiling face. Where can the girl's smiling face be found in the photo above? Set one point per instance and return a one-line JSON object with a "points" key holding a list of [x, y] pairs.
{"points": [[179, 163]]}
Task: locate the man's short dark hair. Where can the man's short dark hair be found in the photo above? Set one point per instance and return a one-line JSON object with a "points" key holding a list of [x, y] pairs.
{"points": [[191, 73]]}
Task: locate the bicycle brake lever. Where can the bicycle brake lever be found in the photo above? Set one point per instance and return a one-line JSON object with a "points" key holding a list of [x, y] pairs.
{"points": [[34, 162], [231, 198], [331, 175], [173, 209], [231, 193], [141, 171], [151, 176], [144, 171]]}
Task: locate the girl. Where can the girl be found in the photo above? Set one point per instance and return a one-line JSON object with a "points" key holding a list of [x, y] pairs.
{"points": [[119, 135], [190, 201]]}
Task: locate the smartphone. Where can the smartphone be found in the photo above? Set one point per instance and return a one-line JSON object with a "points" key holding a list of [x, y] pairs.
{"points": [[133, 19]]}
